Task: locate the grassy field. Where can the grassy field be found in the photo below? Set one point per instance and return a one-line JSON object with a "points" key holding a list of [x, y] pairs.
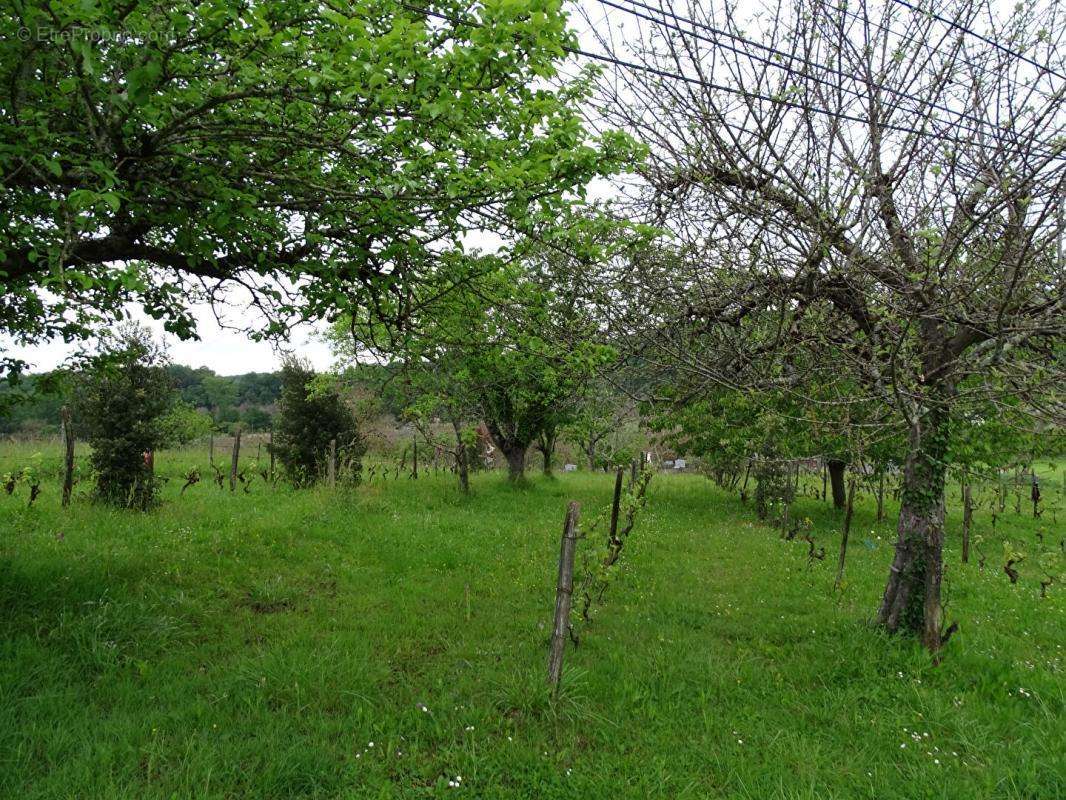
{"points": [[391, 640]]}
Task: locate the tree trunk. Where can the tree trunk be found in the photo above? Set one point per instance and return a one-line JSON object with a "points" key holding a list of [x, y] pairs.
{"points": [[516, 462], [912, 595], [462, 468], [590, 452], [546, 445], [836, 480]]}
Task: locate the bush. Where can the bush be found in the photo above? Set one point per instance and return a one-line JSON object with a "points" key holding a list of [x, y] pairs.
{"points": [[310, 414], [122, 396]]}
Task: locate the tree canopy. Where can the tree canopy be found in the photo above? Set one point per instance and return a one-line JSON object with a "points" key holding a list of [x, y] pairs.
{"points": [[311, 157]]}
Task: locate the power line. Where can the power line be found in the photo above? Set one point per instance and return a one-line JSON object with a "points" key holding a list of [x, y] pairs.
{"points": [[985, 126], [749, 95], [1002, 48]]}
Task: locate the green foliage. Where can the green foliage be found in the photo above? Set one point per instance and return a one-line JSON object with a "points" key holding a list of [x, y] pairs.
{"points": [[122, 396], [182, 424], [340, 149], [256, 419], [311, 414]]}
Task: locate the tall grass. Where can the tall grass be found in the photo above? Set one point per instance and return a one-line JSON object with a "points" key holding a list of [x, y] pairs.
{"points": [[279, 644]]}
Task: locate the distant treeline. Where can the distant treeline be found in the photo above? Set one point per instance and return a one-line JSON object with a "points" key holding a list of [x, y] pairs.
{"points": [[250, 399]]}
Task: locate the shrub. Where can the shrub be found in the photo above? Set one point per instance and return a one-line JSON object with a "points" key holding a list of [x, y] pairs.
{"points": [[122, 395], [311, 412]]}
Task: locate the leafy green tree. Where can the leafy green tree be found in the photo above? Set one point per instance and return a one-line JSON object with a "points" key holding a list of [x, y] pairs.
{"points": [[256, 419], [221, 395], [311, 413], [122, 396], [155, 152], [183, 424]]}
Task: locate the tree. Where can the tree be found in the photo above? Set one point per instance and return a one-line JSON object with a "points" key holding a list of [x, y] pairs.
{"points": [[221, 395], [873, 181], [490, 349], [600, 413], [183, 424], [525, 375], [122, 396], [158, 153], [256, 419], [311, 414]]}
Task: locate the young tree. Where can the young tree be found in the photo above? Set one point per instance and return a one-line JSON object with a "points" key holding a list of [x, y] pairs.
{"points": [[122, 396], [311, 414], [874, 181], [491, 350]]}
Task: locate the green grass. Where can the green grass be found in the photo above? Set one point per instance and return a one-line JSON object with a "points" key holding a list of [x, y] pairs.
{"points": [[254, 645]]}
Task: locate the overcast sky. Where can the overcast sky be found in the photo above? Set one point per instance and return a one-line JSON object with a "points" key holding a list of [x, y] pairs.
{"points": [[227, 352]]}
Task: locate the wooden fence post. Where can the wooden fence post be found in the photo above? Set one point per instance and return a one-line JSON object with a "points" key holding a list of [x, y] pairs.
{"points": [[616, 502], [68, 460], [564, 590], [845, 533], [234, 460], [270, 447], [332, 467], [414, 463], [967, 518], [211, 449]]}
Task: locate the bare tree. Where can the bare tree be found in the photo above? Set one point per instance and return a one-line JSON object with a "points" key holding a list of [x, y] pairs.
{"points": [[879, 188]]}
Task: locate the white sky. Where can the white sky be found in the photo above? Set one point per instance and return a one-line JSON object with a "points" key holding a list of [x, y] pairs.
{"points": [[225, 351]]}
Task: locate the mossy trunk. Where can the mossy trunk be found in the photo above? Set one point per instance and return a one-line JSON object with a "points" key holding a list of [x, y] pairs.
{"points": [[911, 600], [516, 462]]}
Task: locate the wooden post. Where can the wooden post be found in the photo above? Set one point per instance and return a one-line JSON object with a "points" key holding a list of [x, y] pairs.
{"points": [[967, 518], [234, 459], [881, 495], [564, 590], [845, 534], [825, 479], [332, 467], [270, 447], [211, 449], [414, 463], [615, 503], [68, 460]]}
